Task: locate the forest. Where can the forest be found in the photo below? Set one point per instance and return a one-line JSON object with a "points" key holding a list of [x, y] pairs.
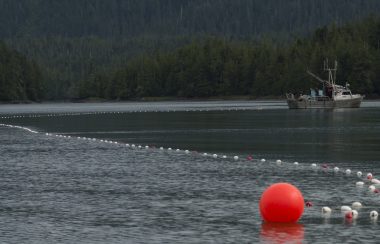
{"points": [[20, 79], [217, 67], [115, 49]]}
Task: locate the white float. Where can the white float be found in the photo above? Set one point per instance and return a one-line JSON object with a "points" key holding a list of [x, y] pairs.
{"points": [[375, 181], [345, 208], [356, 205], [373, 214], [326, 210], [355, 214], [372, 188], [360, 184]]}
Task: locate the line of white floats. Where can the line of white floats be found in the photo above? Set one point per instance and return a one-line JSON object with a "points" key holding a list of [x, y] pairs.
{"points": [[19, 127], [352, 212], [349, 212], [359, 174], [124, 112]]}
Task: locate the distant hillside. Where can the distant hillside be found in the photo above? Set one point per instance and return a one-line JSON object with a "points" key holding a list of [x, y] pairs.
{"points": [[216, 67], [71, 40], [134, 18]]}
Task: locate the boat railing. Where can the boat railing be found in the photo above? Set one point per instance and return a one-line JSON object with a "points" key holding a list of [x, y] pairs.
{"points": [[323, 98]]}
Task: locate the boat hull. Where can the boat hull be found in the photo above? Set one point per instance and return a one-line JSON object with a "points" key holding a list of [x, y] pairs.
{"points": [[326, 104]]}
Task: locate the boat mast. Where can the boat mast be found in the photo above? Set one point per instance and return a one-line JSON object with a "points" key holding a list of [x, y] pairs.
{"points": [[332, 76]]}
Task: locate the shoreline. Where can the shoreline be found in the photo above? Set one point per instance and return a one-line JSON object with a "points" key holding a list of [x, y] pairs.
{"points": [[160, 99], [147, 99]]}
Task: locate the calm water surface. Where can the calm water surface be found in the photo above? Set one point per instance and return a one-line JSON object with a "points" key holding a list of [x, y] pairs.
{"points": [[60, 190]]}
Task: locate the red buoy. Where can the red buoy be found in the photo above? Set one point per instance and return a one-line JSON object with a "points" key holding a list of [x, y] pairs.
{"points": [[349, 215], [281, 202]]}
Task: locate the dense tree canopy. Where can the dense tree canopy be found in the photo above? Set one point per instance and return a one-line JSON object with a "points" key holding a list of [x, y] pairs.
{"points": [[20, 79], [127, 49], [215, 67]]}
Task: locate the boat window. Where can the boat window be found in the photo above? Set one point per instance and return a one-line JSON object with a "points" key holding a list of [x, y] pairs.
{"points": [[346, 93]]}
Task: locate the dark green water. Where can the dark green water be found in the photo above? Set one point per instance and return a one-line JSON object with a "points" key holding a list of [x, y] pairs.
{"points": [[70, 190]]}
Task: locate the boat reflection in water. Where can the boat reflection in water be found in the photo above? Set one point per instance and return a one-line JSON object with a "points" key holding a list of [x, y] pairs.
{"points": [[330, 96], [282, 233]]}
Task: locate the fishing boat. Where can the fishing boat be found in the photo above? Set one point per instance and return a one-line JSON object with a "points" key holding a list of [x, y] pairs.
{"points": [[330, 96]]}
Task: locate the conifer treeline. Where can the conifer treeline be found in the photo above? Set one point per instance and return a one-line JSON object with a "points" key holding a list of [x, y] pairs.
{"points": [[216, 67], [20, 79], [71, 39], [200, 67]]}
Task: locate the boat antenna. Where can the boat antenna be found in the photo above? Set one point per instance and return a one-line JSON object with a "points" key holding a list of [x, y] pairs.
{"points": [[332, 77], [335, 69]]}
